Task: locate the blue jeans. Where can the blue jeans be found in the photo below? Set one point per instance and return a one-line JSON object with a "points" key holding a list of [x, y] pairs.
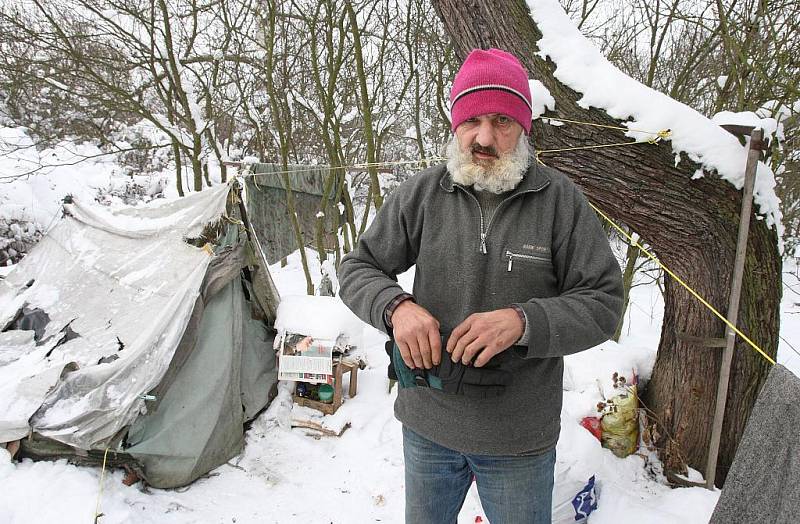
{"points": [[513, 489]]}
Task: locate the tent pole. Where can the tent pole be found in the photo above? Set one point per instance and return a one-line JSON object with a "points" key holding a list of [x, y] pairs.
{"points": [[756, 145]]}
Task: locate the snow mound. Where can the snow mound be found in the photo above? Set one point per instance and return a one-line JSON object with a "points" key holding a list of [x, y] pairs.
{"points": [[319, 317]]}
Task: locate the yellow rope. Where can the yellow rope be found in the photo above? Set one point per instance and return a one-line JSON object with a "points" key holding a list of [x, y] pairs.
{"points": [[684, 284], [598, 146], [664, 133], [97, 513], [656, 138]]}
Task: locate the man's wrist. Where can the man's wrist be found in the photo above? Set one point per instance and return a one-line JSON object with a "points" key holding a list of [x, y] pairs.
{"points": [[523, 339], [392, 306]]}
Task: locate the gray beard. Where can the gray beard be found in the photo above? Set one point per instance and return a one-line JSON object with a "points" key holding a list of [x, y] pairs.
{"points": [[500, 176]]}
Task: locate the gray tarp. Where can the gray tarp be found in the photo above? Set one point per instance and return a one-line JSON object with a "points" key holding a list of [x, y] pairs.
{"points": [[268, 212], [763, 484], [224, 381]]}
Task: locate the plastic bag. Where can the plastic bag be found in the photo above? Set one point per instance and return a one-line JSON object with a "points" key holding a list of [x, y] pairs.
{"points": [[592, 424], [620, 423], [573, 497]]}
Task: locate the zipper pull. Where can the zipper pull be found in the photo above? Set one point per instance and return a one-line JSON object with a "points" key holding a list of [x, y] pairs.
{"points": [[483, 243], [510, 261]]}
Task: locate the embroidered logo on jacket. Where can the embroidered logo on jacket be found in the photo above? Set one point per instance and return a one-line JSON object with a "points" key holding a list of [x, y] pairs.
{"points": [[535, 249]]}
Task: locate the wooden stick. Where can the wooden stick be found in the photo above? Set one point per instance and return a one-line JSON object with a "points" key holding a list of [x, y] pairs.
{"points": [[353, 381], [308, 424], [756, 139]]}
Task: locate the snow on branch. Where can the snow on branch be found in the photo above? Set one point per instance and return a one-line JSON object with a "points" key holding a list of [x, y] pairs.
{"points": [[582, 67]]}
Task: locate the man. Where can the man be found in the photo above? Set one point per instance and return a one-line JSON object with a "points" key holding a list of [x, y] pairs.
{"points": [[513, 271]]}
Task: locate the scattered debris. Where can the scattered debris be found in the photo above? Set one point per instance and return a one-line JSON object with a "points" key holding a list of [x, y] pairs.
{"points": [[325, 288], [592, 424], [131, 477], [68, 368], [107, 360], [308, 424], [12, 447], [620, 418], [237, 466], [17, 237], [68, 334]]}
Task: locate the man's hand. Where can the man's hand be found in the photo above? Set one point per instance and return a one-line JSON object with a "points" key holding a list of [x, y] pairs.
{"points": [[416, 333], [484, 335]]}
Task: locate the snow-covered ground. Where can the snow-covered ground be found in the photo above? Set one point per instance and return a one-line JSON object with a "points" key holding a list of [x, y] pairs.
{"points": [[292, 475]]}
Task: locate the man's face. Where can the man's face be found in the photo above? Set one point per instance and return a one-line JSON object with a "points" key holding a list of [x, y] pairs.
{"points": [[489, 152], [488, 136]]}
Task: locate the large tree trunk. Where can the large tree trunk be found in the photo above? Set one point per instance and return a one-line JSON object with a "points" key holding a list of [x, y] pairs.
{"points": [[691, 225]]}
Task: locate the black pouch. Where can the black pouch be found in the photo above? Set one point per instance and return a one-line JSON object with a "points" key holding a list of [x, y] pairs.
{"points": [[484, 382], [451, 377]]}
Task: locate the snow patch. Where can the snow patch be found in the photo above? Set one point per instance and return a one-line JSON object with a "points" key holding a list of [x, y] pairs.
{"points": [[358, 477], [770, 125], [541, 98]]}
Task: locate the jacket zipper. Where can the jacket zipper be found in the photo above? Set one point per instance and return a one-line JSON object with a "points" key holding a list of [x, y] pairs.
{"points": [[480, 214], [511, 257], [485, 232]]}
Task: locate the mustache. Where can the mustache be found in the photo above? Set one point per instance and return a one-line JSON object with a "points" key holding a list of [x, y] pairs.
{"points": [[477, 148]]}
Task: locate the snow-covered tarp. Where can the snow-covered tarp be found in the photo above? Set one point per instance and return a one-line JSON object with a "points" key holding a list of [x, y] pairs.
{"points": [[118, 288]]}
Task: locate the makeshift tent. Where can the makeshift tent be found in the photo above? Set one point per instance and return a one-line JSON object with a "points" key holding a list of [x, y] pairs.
{"points": [[146, 331]]}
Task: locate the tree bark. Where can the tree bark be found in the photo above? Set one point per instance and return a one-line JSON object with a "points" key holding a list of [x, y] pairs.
{"points": [[366, 110], [691, 225], [176, 151], [631, 256]]}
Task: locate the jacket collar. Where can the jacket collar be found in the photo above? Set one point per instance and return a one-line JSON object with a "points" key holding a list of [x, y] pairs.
{"points": [[535, 179]]}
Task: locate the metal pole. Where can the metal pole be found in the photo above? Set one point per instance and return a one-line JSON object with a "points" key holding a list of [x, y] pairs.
{"points": [[756, 145]]}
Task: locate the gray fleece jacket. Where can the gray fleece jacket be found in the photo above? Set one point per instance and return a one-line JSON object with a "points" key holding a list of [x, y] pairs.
{"points": [[544, 249]]}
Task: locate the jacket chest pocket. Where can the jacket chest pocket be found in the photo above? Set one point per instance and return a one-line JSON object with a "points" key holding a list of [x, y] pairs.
{"points": [[526, 260]]}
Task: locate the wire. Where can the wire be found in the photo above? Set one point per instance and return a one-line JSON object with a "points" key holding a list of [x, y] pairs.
{"points": [[97, 513], [319, 168]]}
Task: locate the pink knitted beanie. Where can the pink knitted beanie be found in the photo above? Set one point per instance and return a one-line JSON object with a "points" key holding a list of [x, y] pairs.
{"points": [[491, 81]]}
